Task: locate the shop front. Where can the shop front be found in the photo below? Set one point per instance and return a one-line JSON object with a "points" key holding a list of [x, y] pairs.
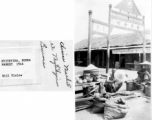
{"points": [[129, 56]]}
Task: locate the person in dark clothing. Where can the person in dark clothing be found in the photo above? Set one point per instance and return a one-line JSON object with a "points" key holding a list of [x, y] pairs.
{"points": [[113, 85], [144, 75]]}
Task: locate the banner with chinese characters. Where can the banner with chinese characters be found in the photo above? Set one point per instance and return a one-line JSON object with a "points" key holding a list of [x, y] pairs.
{"points": [[127, 22], [128, 17], [131, 51], [100, 28]]}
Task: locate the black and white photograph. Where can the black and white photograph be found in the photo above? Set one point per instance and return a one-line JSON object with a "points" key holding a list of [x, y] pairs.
{"points": [[75, 59], [112, 51]]}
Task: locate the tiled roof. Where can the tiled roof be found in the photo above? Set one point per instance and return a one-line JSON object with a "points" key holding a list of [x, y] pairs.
{"points": [[120, 40]]}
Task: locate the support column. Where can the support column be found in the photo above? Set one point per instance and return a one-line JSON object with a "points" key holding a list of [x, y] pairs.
{"points": [[108, 39], [139, 67], [139, 57], [78, 56], [98, 58], [144, 42], [89, 38], [113, 61], [119, 60], [103, 58]]}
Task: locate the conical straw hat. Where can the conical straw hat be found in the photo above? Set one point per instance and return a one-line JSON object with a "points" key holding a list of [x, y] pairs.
{"points": [[145, 63], [120, 75]]}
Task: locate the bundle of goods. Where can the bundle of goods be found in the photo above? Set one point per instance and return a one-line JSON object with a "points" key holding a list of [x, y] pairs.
{"points": [[99, 102], [115, 109], [90, 90], [101, 97], [98, 106], [83, 105], [78, 79], [123, 94], [88, 78], [90, 74], [95, 90]]}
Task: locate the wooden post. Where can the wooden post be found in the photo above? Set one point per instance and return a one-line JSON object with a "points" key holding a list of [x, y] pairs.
{"points": [[139, 58], [89, 38], [108, 44], [144, 52], [114, 60], [103, 58], [98, 59], [119, 60], [79, 56], [139, 67]]}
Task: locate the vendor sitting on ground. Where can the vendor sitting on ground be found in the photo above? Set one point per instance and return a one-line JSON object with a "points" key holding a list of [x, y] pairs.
{"points": [[113, 85], [144, 75]]}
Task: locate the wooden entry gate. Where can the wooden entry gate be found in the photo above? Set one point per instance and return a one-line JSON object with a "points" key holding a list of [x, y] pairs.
{"points": [[127, 18]]}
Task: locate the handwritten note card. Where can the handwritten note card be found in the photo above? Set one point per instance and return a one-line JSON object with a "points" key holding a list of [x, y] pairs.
{"points": [[48, 65], [57, 58]]}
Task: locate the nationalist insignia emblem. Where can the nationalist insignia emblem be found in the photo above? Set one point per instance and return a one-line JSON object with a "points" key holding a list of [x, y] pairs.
{"points": [[129, 4]]}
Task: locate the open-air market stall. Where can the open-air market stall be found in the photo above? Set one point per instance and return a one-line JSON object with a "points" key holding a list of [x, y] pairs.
{"points": [[130, 56], [95, 107]]}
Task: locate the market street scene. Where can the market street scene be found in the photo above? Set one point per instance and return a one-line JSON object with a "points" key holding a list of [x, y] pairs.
{"points": [[112, 59]]}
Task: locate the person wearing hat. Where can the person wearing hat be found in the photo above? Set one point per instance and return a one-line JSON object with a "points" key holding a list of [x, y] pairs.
{"points": [[113, 84], [144, 75]]}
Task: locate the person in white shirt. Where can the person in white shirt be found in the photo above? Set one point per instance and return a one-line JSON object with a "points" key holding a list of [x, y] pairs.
{"points": [[113, 84]]}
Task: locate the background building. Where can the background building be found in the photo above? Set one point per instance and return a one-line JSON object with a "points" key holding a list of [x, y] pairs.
{"points": [[124, 48]]}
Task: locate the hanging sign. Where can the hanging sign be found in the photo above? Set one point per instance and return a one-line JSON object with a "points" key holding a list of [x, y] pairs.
{"points": [[127, 22], [100, 28], [129, 19], [131, 51]]}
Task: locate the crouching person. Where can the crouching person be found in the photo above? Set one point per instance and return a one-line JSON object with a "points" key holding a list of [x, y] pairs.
{"points": [[113, 85], [144, 77]]}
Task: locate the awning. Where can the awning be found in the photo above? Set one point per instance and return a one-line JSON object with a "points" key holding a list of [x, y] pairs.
{"points": [[131, 51]]}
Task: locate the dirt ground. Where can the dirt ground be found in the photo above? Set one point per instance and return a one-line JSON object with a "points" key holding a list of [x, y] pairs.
{"points": [[140, 107]]}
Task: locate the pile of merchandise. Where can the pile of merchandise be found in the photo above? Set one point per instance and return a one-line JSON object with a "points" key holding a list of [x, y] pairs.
{"points": [[90, 74]]}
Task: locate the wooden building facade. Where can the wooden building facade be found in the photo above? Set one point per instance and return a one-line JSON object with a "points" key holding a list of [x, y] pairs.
{"points": [[124, 49]]}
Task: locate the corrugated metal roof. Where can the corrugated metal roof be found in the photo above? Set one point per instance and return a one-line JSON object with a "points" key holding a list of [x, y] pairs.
{"points": [[120, 40]]}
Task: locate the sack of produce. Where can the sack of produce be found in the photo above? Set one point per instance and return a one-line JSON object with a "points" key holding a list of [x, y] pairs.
{"points": [[98, 106], [115, 109]]}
